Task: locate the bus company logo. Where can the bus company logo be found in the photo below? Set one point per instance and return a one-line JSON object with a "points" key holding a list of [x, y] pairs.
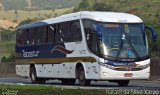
{"points": [[61, 49], [30, 54]]}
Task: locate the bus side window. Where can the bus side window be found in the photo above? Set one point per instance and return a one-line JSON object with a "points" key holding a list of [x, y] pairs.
{"points": [[41, 35], [76, 31], [22, 37], [31, 37], [38, 35], [44, 34], [58, 37], [65, 29], [61, 32], [91, 36], [51, 34]]}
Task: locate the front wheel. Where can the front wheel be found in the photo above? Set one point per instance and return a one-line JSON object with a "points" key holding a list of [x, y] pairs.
{"points": [[81, 77], [123, 82]]}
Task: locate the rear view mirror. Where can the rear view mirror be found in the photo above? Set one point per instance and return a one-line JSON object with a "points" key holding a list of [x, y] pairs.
{"points": [[153, 31]]}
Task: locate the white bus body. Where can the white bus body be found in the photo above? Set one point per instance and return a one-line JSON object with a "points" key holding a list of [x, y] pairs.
{"points": [[93, 66]]}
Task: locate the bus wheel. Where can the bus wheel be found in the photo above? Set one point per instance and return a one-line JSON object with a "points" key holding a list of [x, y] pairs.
{"points": [[123, 82], [81, 78], [33, 76]]}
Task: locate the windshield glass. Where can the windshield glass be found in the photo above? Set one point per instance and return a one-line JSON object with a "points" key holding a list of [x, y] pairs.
{"points": [[123, 41]]}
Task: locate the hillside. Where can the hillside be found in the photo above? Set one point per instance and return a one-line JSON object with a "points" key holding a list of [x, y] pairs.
{"points": [[7, 24], [20, 15], [36, 4], [148, 10]]}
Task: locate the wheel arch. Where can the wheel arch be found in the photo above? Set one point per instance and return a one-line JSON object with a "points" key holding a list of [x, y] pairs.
{"points": [[77, 67], [32, 65]]}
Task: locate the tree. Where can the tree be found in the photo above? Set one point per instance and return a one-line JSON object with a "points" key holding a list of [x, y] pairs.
{"points": [[83, 5], [101, 7], [3, 59], [27, 21]]}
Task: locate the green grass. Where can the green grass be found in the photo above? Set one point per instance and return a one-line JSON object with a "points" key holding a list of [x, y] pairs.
{"points": [[46, 90], [59, 90]]}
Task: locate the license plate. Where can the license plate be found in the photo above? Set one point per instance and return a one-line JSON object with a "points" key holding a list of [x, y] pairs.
{"points": [[128, 75]]}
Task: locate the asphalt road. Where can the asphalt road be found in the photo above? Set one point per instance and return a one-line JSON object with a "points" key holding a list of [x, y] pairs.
{"points": [[139, 85]]}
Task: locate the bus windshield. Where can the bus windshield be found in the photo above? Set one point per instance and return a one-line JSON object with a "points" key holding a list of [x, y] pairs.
{"points": [[123, 41]]}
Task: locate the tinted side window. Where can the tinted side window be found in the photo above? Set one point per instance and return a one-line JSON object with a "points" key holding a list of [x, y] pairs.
{"points": [[91, 36], [51, 33], [22, 37], [75, 31], [31, 39], [58, 34], [41, 35], [64, 31]]}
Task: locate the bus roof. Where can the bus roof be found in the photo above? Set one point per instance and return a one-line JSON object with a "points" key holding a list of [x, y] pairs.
{"points": [[113, 17]]}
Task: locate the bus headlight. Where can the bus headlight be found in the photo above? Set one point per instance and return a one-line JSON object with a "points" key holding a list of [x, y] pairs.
{"points": [[101, 61], [107, 66], [145, 66]]}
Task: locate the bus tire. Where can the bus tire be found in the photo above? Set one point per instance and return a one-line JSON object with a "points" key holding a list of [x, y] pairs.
{"points": [[34, 78], [123, 83], [82, 80]]}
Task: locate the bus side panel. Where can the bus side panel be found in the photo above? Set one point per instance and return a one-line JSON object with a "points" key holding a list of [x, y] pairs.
{"points": [[22, 70], [72, 69], [64, 70], [47, 70], [91, 70]]}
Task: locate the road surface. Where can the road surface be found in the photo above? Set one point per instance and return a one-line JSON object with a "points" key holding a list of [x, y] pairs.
{"points": [[150, 85]]}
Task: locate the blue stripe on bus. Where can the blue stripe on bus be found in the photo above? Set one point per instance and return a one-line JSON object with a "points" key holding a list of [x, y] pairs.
{"points": [[40, 51]]}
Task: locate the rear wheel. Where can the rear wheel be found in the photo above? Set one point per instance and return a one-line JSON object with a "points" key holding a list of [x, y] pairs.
{"points": [[81, 77], [34, 78], [123, 82]]}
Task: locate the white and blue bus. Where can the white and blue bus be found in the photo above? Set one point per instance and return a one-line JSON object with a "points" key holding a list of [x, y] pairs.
{"points": [[87, 46]]}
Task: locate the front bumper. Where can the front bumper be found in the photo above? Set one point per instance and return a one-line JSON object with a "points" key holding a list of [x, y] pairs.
{"points": [[109, 74]]}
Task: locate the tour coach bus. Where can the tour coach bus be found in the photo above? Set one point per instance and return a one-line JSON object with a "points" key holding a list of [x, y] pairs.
{"points": [[87, 46]]}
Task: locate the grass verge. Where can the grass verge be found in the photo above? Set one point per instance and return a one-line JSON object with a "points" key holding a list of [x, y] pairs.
{"points": [[59, 90], [45, 90]]}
